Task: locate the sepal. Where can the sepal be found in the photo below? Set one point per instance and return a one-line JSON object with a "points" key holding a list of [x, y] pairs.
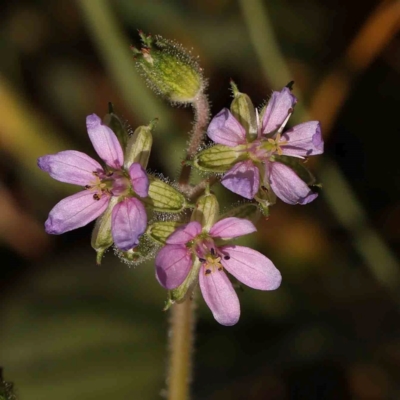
{"points": [[116, 125], [219, 158], [163, 197], [160, 230], [206, 211]]}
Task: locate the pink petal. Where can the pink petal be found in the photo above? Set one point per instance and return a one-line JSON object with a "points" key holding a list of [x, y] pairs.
{"points": [[250, 267], [173, 263], [70, 166], [220, 296], [225, 129], [303, 140], [287, 185], [232, 227], [128, 223], [243, 179], [139, 179], [279, 107], [75, 211], [185, 233], [105, 142]]}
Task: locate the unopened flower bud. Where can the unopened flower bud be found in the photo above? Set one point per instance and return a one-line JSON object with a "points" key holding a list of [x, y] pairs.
{"points": [[117, 126], [101, 235], [244, 111], [163, 197], [206, 211], [169, 69], [139, 145]]}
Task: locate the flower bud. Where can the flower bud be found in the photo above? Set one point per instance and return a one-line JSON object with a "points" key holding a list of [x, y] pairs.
{"points": [[169, 69], [206, 211], [101, 235], [160, 230], [219, 158], [114, 122], [163, 197], [139, 145], [243, 110]]}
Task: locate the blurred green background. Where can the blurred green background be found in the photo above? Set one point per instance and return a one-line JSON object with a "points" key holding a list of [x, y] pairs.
{"points": [[73, 330]]}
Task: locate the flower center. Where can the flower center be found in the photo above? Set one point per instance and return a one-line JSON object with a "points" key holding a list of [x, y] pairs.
{"points": [[113, 183], [209, 255]]}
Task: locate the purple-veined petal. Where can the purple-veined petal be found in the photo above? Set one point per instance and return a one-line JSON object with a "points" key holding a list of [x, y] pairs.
{"points": [[75, 211], [70, 166], [128, 223], [185, 233], [220, 296], [243, 179], [229, 228], [287, 185], [139, 179], [303, 140], [173, 263], [279, 107], [250, 267], [105, 142], [225, 129]]}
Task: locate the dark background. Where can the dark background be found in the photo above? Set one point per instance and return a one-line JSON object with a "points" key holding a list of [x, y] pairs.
{"points": [[73, 330]]}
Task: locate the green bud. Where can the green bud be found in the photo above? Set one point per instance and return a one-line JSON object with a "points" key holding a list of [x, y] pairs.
{"points": [[169, 69], [101, 235], [163, 197], [179, 294], [219, 158], [114, 122], [160, 230], [249, 211], [206, 211], [139, 145], [243, 110]]}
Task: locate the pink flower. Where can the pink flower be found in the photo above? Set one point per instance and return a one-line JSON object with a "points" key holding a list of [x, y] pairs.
{"points": [[175, 260], [260, 168], [129, 219]]}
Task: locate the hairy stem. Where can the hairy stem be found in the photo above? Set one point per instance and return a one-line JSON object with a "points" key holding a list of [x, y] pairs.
{"points": [[201, 109]]}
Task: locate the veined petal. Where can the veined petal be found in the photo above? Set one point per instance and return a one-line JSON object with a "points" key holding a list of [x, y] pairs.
{"points": [[128, 223], [139, 179], [229, 228], [105, 142], [251, 267], [225, 129], [173, 263], [303, 140], [70, 166], [185, 233], [75, 211], [288, 186], [278, 109], [243, 179], [220, 296]]}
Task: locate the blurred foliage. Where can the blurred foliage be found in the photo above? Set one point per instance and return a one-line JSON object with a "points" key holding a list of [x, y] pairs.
{"points": [[75, 330]]}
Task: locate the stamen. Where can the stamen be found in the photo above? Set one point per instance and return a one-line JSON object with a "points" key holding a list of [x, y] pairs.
{"points": [[219, 268], [212, 250], [208, 271], [227, 257], [88, 187], [203, 260], [96, 196]]}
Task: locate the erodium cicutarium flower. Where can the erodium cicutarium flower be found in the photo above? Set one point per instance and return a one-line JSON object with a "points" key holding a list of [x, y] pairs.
{"points": [[128, 183], [191, 242], [259, 166]]}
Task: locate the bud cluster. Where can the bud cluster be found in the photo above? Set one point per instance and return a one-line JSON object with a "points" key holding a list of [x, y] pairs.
{"points": [[144, 216]]}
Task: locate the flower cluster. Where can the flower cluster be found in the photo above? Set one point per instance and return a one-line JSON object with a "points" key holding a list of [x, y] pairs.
{"points": [[253, 156]]}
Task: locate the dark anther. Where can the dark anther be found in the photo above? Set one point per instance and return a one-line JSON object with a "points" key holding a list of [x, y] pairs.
{"points": [[290, 110], [87, 187], [203, 260], [226, 258], [290, 85], [96, 196], [208, 271], [212, 251], [263, 187], [220, 269]]}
